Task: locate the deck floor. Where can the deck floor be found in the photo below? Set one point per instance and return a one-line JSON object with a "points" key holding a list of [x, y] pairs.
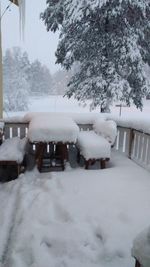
{"points": [[74, 218]]}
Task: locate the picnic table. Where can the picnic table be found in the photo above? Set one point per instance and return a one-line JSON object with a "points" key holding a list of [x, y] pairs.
{"points": [[55, 130]]}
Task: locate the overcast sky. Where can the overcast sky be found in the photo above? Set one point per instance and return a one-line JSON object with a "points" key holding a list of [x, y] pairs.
{"points": [[38, 43]]}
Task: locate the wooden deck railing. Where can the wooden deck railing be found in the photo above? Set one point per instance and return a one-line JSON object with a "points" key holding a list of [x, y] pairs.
{"points": [[13, 129], [130, 142], [135, 145]]}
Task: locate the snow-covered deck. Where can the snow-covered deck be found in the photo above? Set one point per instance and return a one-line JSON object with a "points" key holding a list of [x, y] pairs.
{"points": [[74, 218]]}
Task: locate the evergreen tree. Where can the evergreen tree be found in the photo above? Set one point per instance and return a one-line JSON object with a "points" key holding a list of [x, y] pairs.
{"points": [[110, 41], [60, 81], [16, 86], [40, 79]]}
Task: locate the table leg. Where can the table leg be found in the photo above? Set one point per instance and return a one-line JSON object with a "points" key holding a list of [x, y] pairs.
{"points": [[62, 151], [40, 154]]}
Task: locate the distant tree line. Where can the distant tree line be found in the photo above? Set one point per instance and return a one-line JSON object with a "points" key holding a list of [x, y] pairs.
{"points": [[22, 79]]}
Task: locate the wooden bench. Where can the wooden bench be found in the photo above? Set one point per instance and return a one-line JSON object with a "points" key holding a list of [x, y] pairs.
{"points": [[92, 148], [12, 152]]}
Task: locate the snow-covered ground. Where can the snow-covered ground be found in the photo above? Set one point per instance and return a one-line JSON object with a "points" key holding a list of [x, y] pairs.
{"points": [[75, 218], [63, 104]]}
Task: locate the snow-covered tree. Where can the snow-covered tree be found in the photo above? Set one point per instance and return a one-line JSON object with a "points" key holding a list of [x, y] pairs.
{"points": [[110, 41], [60, 80], [16, 86], [40, 79]]}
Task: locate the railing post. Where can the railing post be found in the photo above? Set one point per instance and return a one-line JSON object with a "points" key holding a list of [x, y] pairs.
{"points": [[131, 139], [137, 264]]}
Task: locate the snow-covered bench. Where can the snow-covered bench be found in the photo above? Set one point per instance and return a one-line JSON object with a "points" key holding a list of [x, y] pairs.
{"points": [[96, 145], [12, 152]]}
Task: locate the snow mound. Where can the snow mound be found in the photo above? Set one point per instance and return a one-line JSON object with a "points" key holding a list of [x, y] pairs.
{"points": [[52, 128], [93, 146], [13, 149], [107, 129], [141, 248], [136, 122]]}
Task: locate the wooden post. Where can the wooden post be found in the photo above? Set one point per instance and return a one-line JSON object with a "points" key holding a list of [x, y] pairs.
{"points": [[103, 163], [1, 74], [131, 139]]}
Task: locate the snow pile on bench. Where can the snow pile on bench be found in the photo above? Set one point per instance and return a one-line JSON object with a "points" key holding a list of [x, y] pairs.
{"points": [[93, 146], [141, 248], [52, 128], [13, 149], [107, 129]]}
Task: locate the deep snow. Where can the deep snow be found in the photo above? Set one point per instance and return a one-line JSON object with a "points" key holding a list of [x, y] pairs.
{"points": [[74, 218], [13, 149], [63, 104]]}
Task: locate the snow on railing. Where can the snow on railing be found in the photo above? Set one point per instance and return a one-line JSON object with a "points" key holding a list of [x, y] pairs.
{"points": [[130, 142]]}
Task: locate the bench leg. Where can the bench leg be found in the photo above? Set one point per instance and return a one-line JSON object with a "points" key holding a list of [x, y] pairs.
{"points": [[103, 164], [62, 165], [78, 156], [18, 169], [40, 155], [62, 151], [87, 162]]}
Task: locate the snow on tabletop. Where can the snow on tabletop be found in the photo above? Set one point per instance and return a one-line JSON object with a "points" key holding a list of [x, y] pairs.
{"points": [[93, 146], [107, 129], [52, 127], [141, 248], [13, 149], [75, 218]]}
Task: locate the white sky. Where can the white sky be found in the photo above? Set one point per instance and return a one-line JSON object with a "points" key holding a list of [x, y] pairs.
{"points": [[38, 43]]}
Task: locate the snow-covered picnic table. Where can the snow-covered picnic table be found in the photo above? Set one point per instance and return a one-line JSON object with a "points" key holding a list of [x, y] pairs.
{"points": [[53, 128]]}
